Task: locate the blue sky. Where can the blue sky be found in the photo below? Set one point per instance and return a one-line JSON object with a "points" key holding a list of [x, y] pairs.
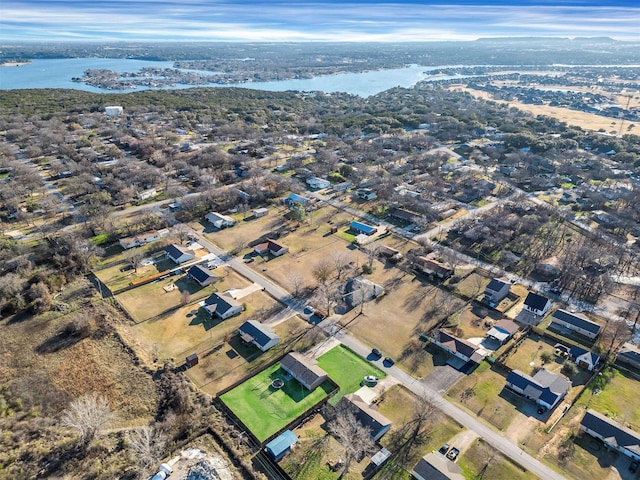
{"points": [[313, 20]]}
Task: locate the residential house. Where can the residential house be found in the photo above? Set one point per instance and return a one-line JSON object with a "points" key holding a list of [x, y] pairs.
{"points": [[360, 227], [537, 304], [271, 246], [561, 319], [318, 183], [113, 110], [202, 275], [305, 370], [433, 268], [258, 334], [294, 199], [179, 254], [260, 212], [583, 358], [360, 290], [502, 331], [143, 238], [629, 355], [219, 220], [222, 305], [342, 187], [279, 446], [457, 347], [405, 215], [366, 194], [615, 436], [496, 291], [549, 267], [434, 466], [367, 416], [389, 252], [147, 194], [544, 388]]}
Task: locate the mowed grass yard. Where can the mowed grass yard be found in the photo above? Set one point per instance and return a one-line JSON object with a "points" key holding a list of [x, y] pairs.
{"points": [[265, 410], [484, 394], [347, 369], [619, 399], [480, 457]]}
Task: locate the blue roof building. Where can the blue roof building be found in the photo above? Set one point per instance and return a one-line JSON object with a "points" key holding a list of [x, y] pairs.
{"points": [[279, 446], [363, 228], [294, 198]]}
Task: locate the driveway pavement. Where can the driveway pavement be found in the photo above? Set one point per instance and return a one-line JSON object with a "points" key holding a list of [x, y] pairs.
{"points": [[442, 378]]}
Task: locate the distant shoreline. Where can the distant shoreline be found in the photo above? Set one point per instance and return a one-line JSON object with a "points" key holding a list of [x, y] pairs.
{"points": [[14, 64]]}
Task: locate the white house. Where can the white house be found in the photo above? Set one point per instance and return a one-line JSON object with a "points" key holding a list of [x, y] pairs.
{"points": [[366, 194], [537, 304], [616, 437], [222, 305], [147, 194], [544, 388], [143, 238], [318, 183], [219, 220], [258, 334], [113, 111], [561, 319], [179, 254]]}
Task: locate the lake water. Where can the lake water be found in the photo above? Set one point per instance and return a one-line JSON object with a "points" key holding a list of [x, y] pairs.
{"points": [[57, 73]]}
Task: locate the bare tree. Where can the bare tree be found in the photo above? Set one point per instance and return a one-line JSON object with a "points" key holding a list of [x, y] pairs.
{"points": [[181, 232], [322, 271], [146, 444], [87, 415], [134, 257], [354, 437], [340, 262], [296, 281], [185, 296]]}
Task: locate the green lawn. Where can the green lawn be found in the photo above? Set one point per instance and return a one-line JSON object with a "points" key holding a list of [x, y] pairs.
{"points": [[265, 410], [617, 399], [347, 369]]}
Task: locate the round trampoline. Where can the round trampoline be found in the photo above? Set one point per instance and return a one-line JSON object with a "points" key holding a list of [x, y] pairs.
{"points": [[277, 383]]}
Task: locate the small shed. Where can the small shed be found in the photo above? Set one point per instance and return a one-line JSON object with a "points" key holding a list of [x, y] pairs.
{"points": [[260, 212], [279, 446], [192, 360]]}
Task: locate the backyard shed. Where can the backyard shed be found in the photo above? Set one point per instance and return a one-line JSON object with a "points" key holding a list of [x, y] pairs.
{"points": [[279, 446], [192, 360]]}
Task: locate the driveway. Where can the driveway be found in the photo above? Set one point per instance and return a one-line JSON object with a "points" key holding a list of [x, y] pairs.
{"points": [[442, 378]]}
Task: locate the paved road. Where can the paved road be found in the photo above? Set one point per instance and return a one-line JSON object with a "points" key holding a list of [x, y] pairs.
{"points": [[419, 388], [492, 437]]}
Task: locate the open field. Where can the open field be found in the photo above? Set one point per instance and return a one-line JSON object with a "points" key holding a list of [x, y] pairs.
{"points": [[472, 285], [481, 458], [150, 300], [483, 393], [47, 368], [585, 120], [393, 322], [347, 369], [265, 410]]}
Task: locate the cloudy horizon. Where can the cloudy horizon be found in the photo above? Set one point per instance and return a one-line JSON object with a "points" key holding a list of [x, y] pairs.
{"points": [[318, 21]]}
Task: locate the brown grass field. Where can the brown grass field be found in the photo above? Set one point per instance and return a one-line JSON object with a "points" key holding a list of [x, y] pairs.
{"points": [[147, 301], [44, 367], [588, 121]]}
